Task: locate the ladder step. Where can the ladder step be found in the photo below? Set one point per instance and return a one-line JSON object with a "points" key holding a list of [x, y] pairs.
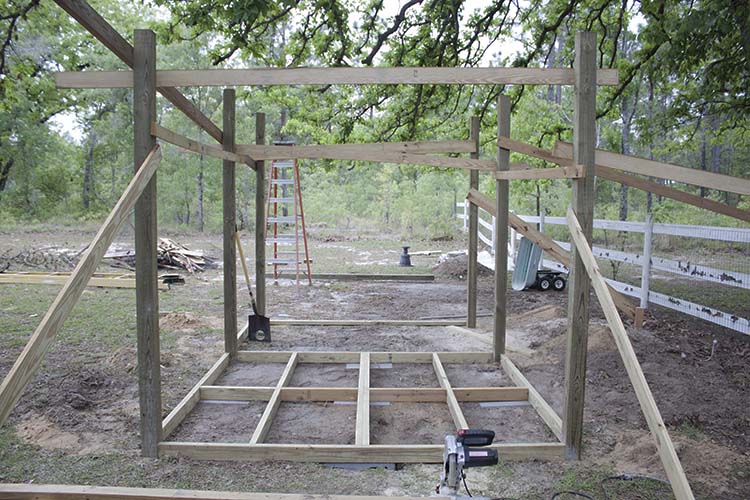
{"points": [[289, 220], [285, 262], [281, 241], [281, 200], [282, 181]]}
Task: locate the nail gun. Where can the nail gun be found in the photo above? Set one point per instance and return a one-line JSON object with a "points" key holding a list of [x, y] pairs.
{"points": [[464, 450]]}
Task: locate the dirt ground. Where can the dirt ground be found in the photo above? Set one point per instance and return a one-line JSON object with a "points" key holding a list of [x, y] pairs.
{"points": [[78, 421]]}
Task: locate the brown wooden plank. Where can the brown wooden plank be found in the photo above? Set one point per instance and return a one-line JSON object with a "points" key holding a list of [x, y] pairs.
{"points": [[455, 409], [664, 446], [533, 151], [81, 11], [579, 291], [260, 218], [472, 270], [211, 150], [146, 243], [572, 172], [31, 357], [264, 424], [502, 211], [335, 76], [653, 168], [229, 211]]}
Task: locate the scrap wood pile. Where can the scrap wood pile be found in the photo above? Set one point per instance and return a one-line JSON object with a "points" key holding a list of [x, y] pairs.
{"points": [[170, 255]]}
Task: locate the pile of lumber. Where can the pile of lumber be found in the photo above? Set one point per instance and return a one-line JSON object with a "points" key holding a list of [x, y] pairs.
{"points": [[170, 255]]}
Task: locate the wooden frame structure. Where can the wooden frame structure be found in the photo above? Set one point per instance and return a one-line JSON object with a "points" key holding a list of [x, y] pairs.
{"points": [[577, 162]]}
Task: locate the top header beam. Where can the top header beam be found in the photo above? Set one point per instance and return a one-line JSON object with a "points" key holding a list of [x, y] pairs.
{"points": [[334, 76]]}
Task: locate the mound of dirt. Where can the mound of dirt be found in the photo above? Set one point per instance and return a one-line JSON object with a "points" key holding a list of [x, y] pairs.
{"points": [[456, 267], [186, 321]]}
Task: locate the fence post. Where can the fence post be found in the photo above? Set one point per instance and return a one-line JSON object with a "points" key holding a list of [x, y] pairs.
{"points": [[466, 215], [648, 231]]}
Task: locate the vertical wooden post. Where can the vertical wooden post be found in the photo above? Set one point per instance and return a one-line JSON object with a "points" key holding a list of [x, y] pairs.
{"points": [[146, 277], [260, 218], [230, 227], [501, 231], [471, 279], [584, 142], [648, 232]]}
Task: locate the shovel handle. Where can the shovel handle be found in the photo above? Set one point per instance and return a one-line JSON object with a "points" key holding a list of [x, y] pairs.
{"points": [[244, 270]]}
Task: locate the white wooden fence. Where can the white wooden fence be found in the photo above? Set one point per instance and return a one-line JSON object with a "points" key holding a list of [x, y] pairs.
{"points": [[645, 260]]}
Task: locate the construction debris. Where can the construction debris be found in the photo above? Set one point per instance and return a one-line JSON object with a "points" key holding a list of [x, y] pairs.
{"points": [[170, 255]]}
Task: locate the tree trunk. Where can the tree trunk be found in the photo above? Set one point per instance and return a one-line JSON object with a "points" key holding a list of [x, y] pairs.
{"points": [[704, 144], [5, 167], [88, 171]]}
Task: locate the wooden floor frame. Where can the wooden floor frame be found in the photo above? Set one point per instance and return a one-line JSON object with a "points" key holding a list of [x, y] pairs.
{"points": [[362, 451]]}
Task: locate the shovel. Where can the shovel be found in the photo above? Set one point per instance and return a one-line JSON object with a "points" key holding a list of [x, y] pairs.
{"points": [[258, 327]]}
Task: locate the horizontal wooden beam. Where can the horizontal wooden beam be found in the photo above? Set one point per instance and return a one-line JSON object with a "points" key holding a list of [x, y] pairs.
{"points": [[363, 277], [353, 152], [183, 142], [365, 322], [572, 172], [458, 357], [664, 446], [534, 151], [62, 278], [75, 492], [652, 168], [27, 364], [331, 453], [90, 19], [350, 151], [334, 76], [615, 175]]}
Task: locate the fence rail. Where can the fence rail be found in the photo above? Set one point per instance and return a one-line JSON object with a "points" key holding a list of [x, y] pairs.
{"points": [[646, 261]]}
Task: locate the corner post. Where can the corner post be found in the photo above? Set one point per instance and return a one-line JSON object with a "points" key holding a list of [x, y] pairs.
{"points": [[260, 218], [230, 227], [584, 142], [146, 274], [501, 231], [471, 281]]}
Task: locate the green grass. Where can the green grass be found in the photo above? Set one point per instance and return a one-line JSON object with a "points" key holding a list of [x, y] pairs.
{"points": [[595, 481]]}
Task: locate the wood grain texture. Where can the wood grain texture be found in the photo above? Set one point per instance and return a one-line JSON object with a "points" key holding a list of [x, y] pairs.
{"points": [[87, 17], [260, 218], [502, 211], [362, 432], [365, 322], [353, 357], [211, 150], [229, 216], [472, 271], [28, 362], [533, 151], [584, 138], [424, 453], [664, 446], [266, 152], [455, 409], [653, 168], [62, 278], [146, 243], [335, 76], [573, 172], [379, 153], [75, 492]]}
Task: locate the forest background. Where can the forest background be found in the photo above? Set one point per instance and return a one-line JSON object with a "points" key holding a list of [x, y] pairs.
{"points": [[683, 97]]}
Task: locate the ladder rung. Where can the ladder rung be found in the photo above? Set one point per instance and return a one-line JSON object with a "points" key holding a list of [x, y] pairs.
{"points": [[285, 262], [280, 241], [281, 200], [282, 181], [289, 220]]}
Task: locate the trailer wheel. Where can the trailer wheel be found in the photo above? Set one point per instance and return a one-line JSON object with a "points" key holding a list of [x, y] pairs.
{"points": [[559, 284], [544, 284]]}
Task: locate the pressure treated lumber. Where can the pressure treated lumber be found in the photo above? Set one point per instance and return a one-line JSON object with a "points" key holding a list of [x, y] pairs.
{"points": [[363, 322], [331, 453], [334, 76], [260, 218], [363, 152], [366, 277], [545, 411], [264, 424], [362, 432], [653, 168], [547, 244], [472, 269], [664, 445], [229, 224], [572, 172], [353, 357], [264, 152], [615, 175], [211, 150], [75, 492], [376, 394], [82, 12], [62, 278], [31, 357], [500, 232], [534, 151], [579, 291], [178, 414], [455, 409]]}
